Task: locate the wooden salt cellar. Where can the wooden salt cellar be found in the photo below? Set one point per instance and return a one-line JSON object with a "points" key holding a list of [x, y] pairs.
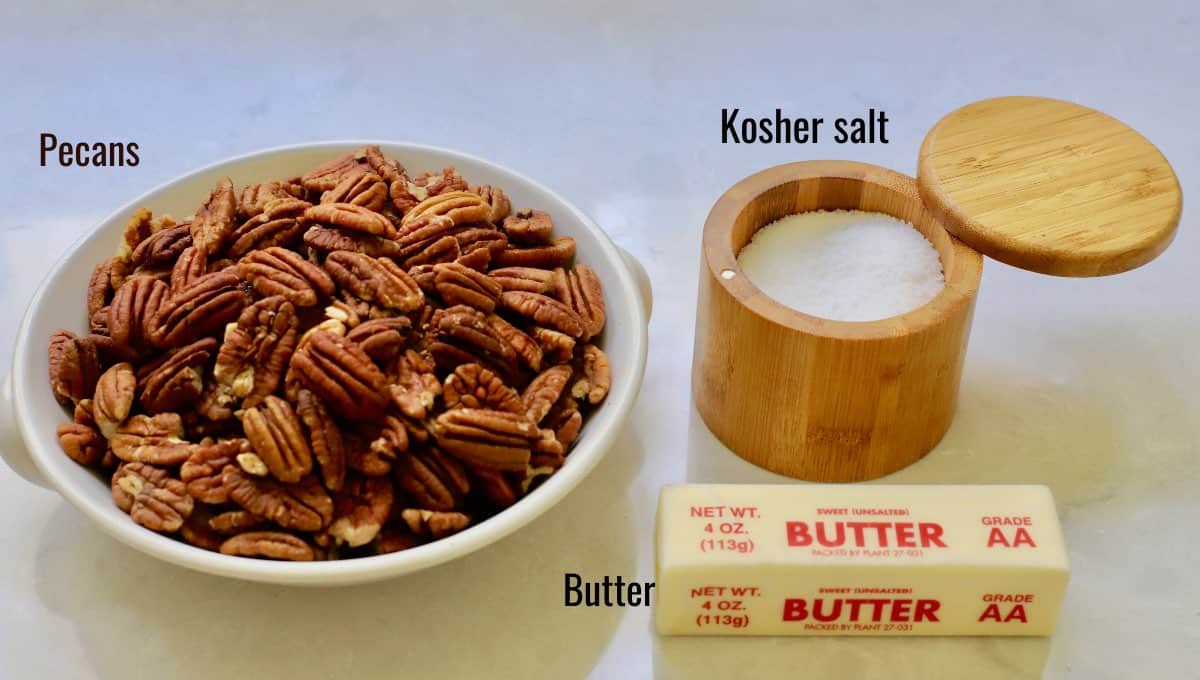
{"points": [[1042, 184]]}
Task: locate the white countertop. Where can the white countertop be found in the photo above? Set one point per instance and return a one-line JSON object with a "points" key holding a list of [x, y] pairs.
{"points": [[1086, 385]]}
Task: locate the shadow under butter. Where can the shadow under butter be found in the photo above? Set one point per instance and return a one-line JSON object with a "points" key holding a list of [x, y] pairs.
{"points": [[849, 658]]}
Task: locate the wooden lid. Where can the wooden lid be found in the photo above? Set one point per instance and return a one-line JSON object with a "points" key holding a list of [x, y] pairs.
{"points": [[1049, 186]]}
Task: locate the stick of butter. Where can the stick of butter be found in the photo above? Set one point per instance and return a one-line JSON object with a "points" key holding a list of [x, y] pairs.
{"points": [[818, 559]]}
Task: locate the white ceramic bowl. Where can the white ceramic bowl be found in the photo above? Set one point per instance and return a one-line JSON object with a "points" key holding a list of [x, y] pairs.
{"points": [[29, 413]]}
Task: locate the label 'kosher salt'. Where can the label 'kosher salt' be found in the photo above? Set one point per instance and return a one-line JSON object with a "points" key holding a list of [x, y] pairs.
{"points": [[858, 560]]}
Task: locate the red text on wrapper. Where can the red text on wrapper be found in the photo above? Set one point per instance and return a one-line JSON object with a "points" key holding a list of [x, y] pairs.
{"points": [[1006, 607], [994, 612], [999, 537], [1021, 537], [860, 609], [865, 534]]}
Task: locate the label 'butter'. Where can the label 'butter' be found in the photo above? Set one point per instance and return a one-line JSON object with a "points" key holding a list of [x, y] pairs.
{"points": [[858, 560]]}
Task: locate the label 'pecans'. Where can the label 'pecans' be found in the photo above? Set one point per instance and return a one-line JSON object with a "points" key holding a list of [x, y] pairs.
{"points": [[345, 363]]}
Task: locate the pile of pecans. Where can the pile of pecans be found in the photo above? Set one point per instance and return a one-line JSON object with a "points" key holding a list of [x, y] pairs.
{"points": [[346, 363]]}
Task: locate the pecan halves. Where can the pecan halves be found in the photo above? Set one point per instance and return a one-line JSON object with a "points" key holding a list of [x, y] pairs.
{"points": [[325, 438], [419, 235], [351, 217], [114, 398], [133, 308], [473, 386], [458, 284], [191, 265], [278, 223], [360, 510], [213, 223], [161, 248], [83, 444], [327, 239], [156, 440], [566, 421], [151, 497], [175, 381], [415, 387], [275, 434], [138, 228], [557, 347], [303, 506], [444, 249], [256, 352], [407, 193], [353, 361], [432, 480], [382, 339], [129, 479], [279, 271], [327, 175], [530, 279], [373, 451], [342, 375], [101, 286], [369, 457], [499, 206], [544, 311], [377, 280], [274, 545], [548, 452], [423, 275], [201, 471], [463, 335], [435, 525], [581, 291], [444, 181], [527, 349], [556, 254], [366, 190], [202, 308], [477, 259], [471, 239], [529, 227], [455, 207], [597, 376], [82, 413], [233, 522], [254, 198], [388, 169], [486, 438], [544, 391], [74, 367]]}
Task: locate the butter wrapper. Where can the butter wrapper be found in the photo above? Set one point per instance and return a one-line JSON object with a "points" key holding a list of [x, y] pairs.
{"points": [[858, 560]]}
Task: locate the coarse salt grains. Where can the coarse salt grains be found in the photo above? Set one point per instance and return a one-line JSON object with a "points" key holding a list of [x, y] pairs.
{"points": [[844, 265]]}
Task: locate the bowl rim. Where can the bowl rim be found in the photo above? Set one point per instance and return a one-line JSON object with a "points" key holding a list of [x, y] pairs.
{"points": [[959, 289], [591, 447]]}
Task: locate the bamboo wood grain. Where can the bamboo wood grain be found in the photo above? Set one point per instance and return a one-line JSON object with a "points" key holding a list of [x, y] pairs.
{"points": [[1049, 186], [812, 398]]}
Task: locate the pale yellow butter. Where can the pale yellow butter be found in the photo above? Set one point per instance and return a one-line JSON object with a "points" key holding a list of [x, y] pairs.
{"points": [[811, 559]]}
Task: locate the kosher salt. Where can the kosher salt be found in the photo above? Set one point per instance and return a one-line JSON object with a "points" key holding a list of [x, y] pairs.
{"points": [[844, 265]]}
